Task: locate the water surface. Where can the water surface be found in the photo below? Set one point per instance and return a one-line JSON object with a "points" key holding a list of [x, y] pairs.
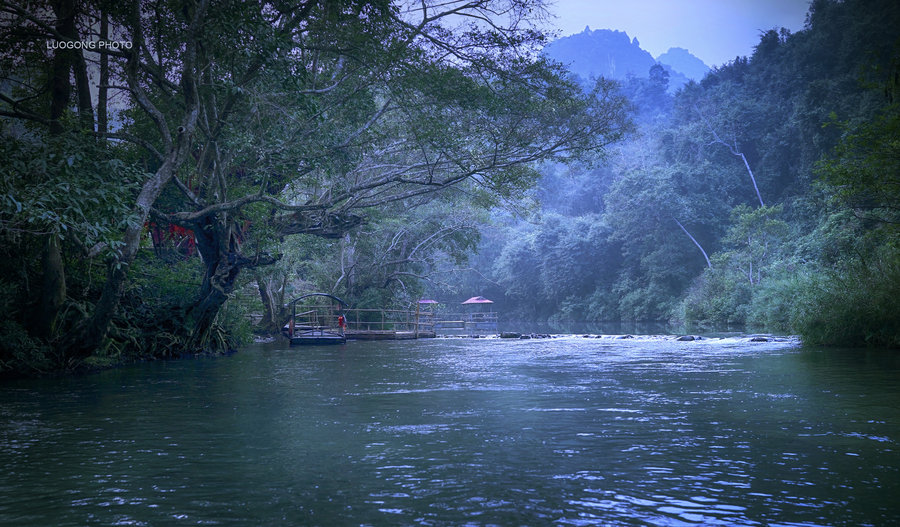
{"points": [[566, 431]]}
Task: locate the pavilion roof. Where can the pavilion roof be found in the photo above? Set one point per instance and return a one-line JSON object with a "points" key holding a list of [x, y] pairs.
{"points": [[478, 300]]}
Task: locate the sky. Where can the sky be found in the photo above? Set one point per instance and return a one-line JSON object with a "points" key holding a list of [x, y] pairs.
{"points": [[716, 31]]}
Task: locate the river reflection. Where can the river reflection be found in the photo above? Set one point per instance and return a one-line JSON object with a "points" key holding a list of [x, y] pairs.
{"points": [[566, 431]]}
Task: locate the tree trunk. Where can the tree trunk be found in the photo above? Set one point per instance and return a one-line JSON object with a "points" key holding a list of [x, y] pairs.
{"points": [[220, 247], [60, 85], [223, 275], [265, 295], [273, 305], [280, 313], [102, 90], [202, 315], [44, 313], [705, 256], [53, 290], [752, 179], [220, 250], [88, 335], [734, 151], [83, 92]]}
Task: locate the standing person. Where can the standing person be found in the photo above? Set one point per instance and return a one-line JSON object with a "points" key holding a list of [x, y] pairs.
{"points": [[342, 322]]}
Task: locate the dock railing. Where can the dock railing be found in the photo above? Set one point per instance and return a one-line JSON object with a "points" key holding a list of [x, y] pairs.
{"points": [[396, 323], [384, 323], [469, 322]]}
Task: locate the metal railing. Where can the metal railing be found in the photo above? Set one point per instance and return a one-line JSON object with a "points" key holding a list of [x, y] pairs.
{"points": [[367, 320], [419, 322]]}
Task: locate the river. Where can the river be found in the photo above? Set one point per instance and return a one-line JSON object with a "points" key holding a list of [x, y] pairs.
{"points": [[563, 431]]}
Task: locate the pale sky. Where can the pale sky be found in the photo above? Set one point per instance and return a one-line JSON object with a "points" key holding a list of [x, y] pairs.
{"points": [[716, 31]]}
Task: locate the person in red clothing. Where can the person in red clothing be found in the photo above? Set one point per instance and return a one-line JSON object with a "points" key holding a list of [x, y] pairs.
{"points": [[342, 322]]}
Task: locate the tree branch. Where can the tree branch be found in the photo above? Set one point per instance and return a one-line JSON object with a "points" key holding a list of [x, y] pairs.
{"points": [[708, 263], [734, 151]]}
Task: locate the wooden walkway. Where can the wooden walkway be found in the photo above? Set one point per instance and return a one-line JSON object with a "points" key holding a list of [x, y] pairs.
{"points": [[374, 334], [469, 323], [395, 324], [388, 324]]}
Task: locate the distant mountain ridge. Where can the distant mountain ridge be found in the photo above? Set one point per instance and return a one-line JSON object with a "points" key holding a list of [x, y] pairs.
{"points": [[602, 52], [612, 54], [682, 61]]}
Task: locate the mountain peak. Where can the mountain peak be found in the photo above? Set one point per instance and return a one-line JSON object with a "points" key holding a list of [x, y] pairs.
{"points": [[683, 61], [614, 55], [601, 53]]}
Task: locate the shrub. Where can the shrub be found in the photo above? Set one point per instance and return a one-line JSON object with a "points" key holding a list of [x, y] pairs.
{"points": [[774, 304], [857, 306], [20, 353], [718, 300]]}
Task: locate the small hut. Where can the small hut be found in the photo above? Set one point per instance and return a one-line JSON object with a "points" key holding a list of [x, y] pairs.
{"points": [[478, 301], [481, 317]]}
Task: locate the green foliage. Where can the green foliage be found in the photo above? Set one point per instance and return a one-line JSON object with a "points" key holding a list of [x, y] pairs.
{"points": [[682, 187], [161, 283], [854, 302], [70, 192], [753, 241], [777, 301], [517, 268], [645, 207], [21, 353], [151, 322], [356, 113], [235, 324], [66, 186], [863, 173], [854, 305], [254, 122], [388, 263], [719, 299], [554, 264]]}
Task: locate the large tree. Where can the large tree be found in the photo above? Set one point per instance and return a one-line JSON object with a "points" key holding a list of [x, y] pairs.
{"points": [[269, 119]]}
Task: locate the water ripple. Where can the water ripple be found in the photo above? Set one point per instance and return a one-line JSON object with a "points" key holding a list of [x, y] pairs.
{"points": [[567, 431]]}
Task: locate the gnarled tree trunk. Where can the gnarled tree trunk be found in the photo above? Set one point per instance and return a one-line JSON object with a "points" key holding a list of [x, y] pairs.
{"points": [[271, 293], [220, 247]]}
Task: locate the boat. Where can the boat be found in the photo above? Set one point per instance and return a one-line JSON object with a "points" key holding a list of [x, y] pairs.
{"points": [[318, 324], [316, 337]]}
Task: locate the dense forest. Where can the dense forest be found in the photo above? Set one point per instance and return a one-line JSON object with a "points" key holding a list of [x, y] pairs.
{"points": [[171, 167], [762, 198]]}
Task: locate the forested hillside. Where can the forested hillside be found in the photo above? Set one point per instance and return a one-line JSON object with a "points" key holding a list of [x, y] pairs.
{"points": [[763, 197]]}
